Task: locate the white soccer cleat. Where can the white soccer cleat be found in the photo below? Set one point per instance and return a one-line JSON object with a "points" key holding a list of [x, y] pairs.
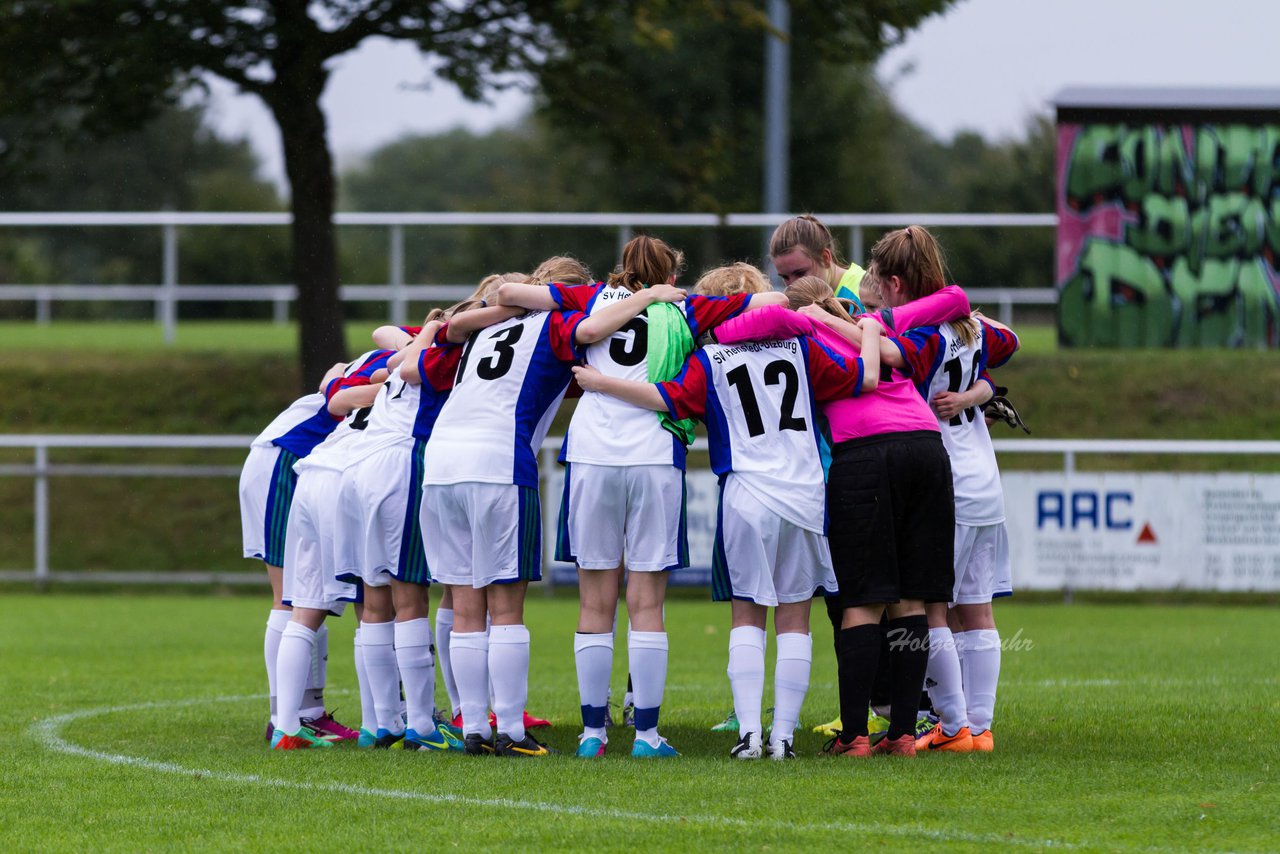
{"points": [[748, 747], [781, 750]]}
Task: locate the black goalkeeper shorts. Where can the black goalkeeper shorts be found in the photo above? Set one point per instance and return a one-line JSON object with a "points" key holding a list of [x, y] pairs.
{"points": [[892, 518]]}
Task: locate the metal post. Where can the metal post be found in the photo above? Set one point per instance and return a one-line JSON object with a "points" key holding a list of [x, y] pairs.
{"points": [[624, 237], [1006, 311], [777, 107], [167, 307], [44, 307], [1068, 462], [777, 113], [857, 254], [399, 305], [42, 517], [280, 311]]}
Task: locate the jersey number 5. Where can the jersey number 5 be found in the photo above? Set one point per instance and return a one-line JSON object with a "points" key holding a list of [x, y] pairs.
{"points": [[774, 373]]}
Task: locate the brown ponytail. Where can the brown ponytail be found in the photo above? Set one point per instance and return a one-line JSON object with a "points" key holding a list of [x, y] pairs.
{"points": [[914, 256], [646, 261], [560, 269]]}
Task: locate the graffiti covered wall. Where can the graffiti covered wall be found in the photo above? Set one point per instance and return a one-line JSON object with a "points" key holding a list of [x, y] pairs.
{"points": [[1168, 235]]}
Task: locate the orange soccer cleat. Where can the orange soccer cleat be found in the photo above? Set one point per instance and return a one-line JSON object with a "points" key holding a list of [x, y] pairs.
{"points": [[936, 740], [859, 747], [904, 745], [983, 742]]}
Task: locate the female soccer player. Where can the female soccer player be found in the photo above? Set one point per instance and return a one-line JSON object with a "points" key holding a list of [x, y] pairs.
{"points": [[310, 581], [889, 492], [948, 363], [771, 551], [803, 246], [380, 538], [267, 483], [480, 510], [624, 485]]}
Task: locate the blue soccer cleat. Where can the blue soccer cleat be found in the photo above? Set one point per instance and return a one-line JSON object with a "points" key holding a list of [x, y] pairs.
{"points": [[440, 739], [591, 748], [367, 739], [644, 750]]}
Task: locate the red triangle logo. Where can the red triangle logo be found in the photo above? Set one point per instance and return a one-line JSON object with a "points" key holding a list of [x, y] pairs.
{"points": [[1147, 535]]}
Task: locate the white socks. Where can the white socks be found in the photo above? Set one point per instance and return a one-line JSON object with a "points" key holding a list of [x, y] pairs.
{"points": [[647, 652], [594, 657], [944, 681], [746, 676], [509, 674], [980, 657], [444, 629], [276, 621], [293, 664], [313, 697], [378, 642], [790, 684], [368, 712], [417, 672], [469, 654]]}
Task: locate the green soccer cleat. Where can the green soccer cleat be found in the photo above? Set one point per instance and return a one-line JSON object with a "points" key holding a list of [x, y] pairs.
{"points": [[729, 724]]}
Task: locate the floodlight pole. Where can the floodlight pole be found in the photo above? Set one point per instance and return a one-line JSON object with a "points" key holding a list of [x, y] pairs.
{"points": [[777, 111]]}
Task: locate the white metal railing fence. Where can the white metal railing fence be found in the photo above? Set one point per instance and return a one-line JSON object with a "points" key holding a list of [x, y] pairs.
{"points": [[41, 470], [168, 294]]}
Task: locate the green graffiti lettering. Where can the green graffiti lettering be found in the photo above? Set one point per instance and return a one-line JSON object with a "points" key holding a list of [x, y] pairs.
{"points": [[1259, 308], [1206, 165], [1224, 227], [1095, 170], [1266, 162], [1139, 161], [1163, 228], [1175, 175], [1117, 298], [1198, 264]]}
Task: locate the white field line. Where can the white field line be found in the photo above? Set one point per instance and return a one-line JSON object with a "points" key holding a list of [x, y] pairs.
{"points": [[49, 732]]}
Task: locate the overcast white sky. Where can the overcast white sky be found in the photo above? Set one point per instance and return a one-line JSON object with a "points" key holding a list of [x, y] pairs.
{"points": [[986, 65]]}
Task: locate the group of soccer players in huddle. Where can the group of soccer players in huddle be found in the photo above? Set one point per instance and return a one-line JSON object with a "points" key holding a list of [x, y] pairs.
{"points": [[843, 421]]}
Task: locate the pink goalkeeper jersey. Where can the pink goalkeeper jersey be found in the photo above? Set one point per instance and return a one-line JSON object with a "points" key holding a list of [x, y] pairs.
{"points": [[894, 406]]}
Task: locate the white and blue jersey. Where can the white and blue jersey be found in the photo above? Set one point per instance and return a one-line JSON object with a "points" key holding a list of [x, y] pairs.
{"points": [[759, 404], [941, 361], [606, 431], [510, 380]]}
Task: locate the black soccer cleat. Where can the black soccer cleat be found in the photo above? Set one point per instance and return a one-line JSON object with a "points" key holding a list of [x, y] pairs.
{"points": [[476, 744], [527, 746]]}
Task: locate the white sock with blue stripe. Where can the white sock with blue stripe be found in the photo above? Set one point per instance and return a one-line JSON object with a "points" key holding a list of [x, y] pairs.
{"points": [[593, 654], [647, 652]]}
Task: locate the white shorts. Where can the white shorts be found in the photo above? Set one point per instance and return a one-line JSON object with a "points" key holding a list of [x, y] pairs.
{"points": [[310, 562], [609, 512], [266, 491], [479, 534], [763, 558], [379, 533], [982, 564]]}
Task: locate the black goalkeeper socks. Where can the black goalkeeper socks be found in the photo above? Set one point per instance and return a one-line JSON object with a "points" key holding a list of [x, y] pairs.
{"points": [[909, 660], [859, 659]]}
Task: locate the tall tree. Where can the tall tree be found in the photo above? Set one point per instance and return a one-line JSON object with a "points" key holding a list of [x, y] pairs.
{"points": [[96, 66]]}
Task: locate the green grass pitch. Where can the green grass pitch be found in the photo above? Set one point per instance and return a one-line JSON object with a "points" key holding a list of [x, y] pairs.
{"points": [[135, 723]]}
